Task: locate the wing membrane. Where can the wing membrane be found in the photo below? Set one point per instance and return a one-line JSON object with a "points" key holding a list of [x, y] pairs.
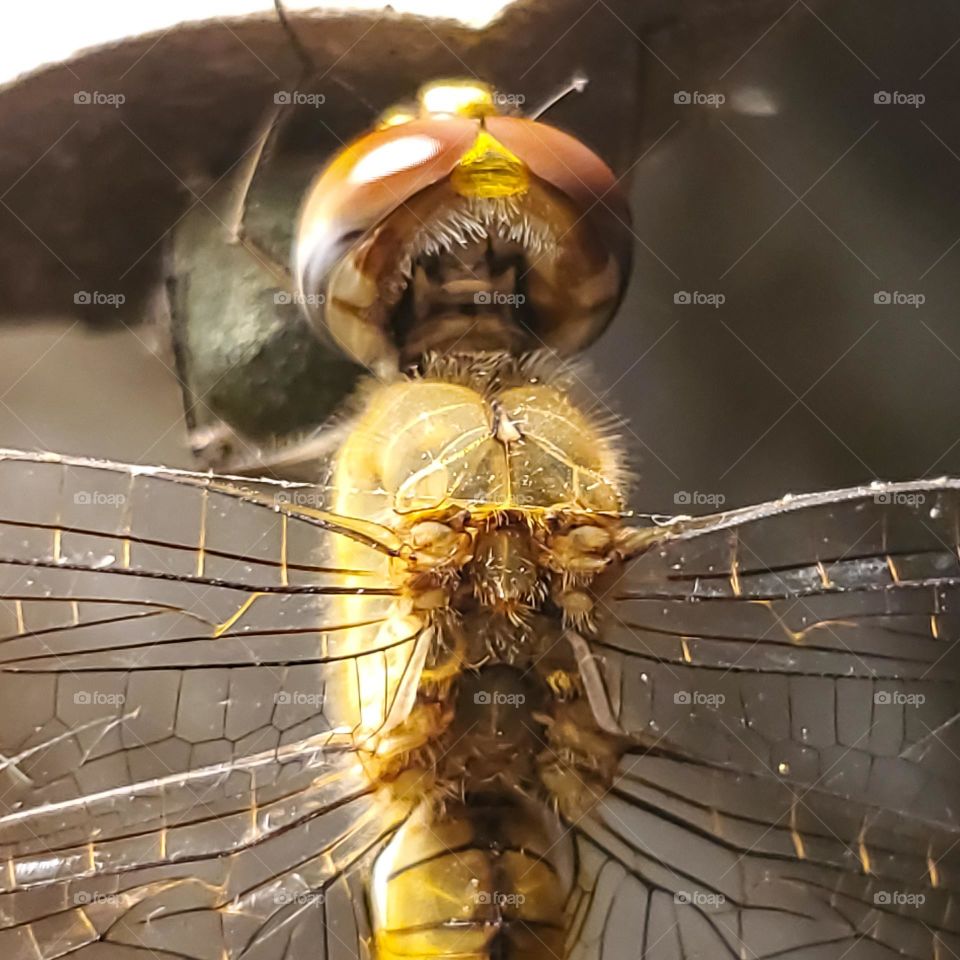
{"points": [[790, 675], [683, 861], [185, 668]]}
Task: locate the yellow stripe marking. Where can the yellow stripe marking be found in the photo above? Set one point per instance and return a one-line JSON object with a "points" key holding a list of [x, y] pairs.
{"points": [[284, 579], [222, 628], [934, 627], [163, 843], [798, 845], [75, 608], [735, 578], [864, 856], [687, 658], [891, 566], [11, 874], [825, 580], [202, 545], [21, 625], [57, 545], [125, 553], [82, 912], [36, 944], [933, 871]]}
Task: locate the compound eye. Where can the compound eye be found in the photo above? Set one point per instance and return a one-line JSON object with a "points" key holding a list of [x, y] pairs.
{"points": [[461, 229], [356, 193], [576, 286]]}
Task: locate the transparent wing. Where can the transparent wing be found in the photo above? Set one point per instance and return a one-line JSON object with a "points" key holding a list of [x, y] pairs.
{"points": [[790, 676], [186, 668]]}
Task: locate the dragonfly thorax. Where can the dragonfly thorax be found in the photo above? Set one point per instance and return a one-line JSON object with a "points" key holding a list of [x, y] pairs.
{"points": [[488, 434]]}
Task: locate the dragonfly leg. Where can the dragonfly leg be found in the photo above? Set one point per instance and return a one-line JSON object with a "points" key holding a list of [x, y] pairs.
{"points": [[580, 760], [236, 212]]}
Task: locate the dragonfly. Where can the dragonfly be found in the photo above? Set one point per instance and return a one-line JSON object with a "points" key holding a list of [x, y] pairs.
{"points": [[450, 698]]}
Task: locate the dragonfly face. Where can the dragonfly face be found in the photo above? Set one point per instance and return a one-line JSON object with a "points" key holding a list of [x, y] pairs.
{"points": [[455, 703], [455, 227]]}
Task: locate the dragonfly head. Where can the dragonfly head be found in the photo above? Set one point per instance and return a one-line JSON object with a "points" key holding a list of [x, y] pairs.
{"points": [[453, 222]]}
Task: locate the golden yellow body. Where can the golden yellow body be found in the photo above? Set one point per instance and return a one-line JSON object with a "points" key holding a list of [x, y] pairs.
{"points": [[505, 495]]}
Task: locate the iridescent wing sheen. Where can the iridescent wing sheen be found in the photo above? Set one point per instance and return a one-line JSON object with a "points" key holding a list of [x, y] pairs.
{"points": [[183, 669], [790, 675]]}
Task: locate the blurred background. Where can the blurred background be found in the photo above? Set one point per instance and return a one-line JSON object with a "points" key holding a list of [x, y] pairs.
{"points": [[792, 167]]}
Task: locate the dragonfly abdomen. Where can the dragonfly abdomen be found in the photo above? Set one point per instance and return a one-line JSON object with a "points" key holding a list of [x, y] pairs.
{"points": [[484, 878]]}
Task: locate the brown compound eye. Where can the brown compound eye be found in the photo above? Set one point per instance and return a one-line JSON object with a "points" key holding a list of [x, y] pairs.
{"points": [[579, 283], [461, 228], [348, 201]]}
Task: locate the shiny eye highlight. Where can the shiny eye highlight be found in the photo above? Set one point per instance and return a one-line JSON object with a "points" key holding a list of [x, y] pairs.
{"points": [[392, 157]]}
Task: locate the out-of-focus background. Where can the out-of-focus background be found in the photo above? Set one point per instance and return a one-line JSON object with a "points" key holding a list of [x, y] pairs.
{"points": [[793, 169]]}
